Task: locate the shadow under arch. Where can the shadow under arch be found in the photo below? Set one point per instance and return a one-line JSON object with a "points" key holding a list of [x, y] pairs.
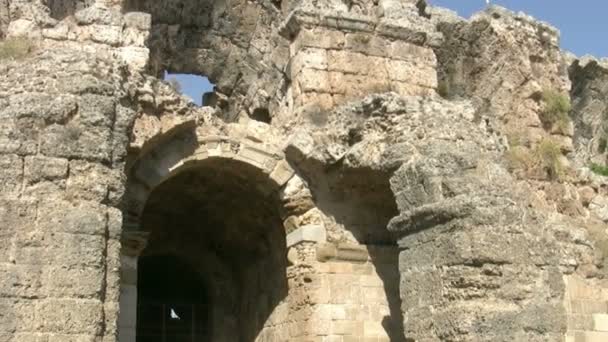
{"points": [[213, 203]]}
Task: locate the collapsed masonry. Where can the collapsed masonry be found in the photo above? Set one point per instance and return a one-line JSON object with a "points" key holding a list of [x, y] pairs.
{"points": [[366, 207]]}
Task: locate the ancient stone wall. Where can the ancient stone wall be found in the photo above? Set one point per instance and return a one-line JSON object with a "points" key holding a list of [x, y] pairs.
{"points": [[102, 163]]}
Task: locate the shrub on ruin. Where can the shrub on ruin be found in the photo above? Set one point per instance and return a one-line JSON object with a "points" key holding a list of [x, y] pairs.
{"points": [[544, 161], [549, 155], [16, 48], [599, 169], [555, 111]]}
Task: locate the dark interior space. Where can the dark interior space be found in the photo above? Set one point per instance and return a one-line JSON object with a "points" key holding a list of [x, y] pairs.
{"points": [[218, 237], [172, 301]]}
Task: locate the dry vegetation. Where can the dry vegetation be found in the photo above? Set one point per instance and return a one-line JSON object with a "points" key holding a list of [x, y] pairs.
{"points": [[544, 160], [555, 112], [16, 48]]}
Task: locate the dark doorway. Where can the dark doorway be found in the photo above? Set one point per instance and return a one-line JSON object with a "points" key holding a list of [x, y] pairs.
{"points": [[172, 302]]}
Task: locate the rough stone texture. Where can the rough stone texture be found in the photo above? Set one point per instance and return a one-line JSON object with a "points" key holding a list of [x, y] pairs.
{"points": [[326, 115], [588, 93]]}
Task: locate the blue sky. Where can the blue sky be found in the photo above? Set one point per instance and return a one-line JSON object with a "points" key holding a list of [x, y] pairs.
{"points": [[583, 25]]}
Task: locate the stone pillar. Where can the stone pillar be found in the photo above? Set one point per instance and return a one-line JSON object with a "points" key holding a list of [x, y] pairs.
{"points": [[474, 265], [133, 243], [340, 56]]}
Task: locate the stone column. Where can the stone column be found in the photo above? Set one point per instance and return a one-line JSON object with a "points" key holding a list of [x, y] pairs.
{"points": [[133, 244], [475, 265]]}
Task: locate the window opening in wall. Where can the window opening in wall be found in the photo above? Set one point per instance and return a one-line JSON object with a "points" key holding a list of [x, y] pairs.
{"points": [[262, 115], [193, 86]]}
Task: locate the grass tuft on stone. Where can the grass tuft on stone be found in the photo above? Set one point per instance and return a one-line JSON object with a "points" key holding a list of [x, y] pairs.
{"points": [[598, 169], [16, 48], [549, 155], [556, 109], [544, 161]]}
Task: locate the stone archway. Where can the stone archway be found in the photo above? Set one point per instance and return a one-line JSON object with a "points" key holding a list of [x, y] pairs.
{"points": [[211, 202]]}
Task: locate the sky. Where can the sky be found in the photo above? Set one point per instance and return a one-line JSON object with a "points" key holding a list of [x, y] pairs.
{"points": [[583, 25]]}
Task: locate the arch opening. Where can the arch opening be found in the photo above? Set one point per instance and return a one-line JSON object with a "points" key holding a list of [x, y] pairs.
{"points": [[218, 219]]}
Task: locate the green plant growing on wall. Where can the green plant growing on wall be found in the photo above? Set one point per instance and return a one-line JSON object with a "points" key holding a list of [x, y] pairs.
{"points": [[599, 169], [16, 48], [556, 109]]}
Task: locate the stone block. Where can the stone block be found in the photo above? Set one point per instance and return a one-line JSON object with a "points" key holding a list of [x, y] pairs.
{"points": [[17, 315], [590, 336], [367, 43], [310, 233], [81, 218], [94, 182], [104, 34], [356, 63], [72, 316], [77, 141], [412, 72], [61, 249], [139, 20], [20, 281], [79, 282], [281, 173], [312, 80], [410, 52], [347, 327], [600, 322], [40, 168], [318, 37], [11, 175], [308, 58]]}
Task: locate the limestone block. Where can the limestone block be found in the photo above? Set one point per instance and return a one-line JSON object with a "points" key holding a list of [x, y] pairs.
{"points": [[135, 57], [20, 281], [85, 282], [311, 80], [414, 73], [45, 177], [11, 175], [308, 58], [410, 52], [40, 168], [139, 20], [600, 322], [310, 233], [76, 316], [77, 141], [367, 43], [110, 35], [59, 32], [69, 250], [318, 37], [81, 218], [94, 182], [18, 315], [599, 206], [133, 37], [281, 173], [356, 63], [23, 28]]}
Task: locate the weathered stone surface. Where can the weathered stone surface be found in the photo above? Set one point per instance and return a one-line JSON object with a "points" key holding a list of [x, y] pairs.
{"points": [[327, 121]]}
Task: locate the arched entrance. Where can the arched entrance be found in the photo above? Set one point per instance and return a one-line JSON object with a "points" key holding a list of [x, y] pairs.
{"points": [[210, 220]]}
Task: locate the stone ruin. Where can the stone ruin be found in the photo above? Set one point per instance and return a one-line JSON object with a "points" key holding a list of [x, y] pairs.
{"points": [[363, 171]]}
